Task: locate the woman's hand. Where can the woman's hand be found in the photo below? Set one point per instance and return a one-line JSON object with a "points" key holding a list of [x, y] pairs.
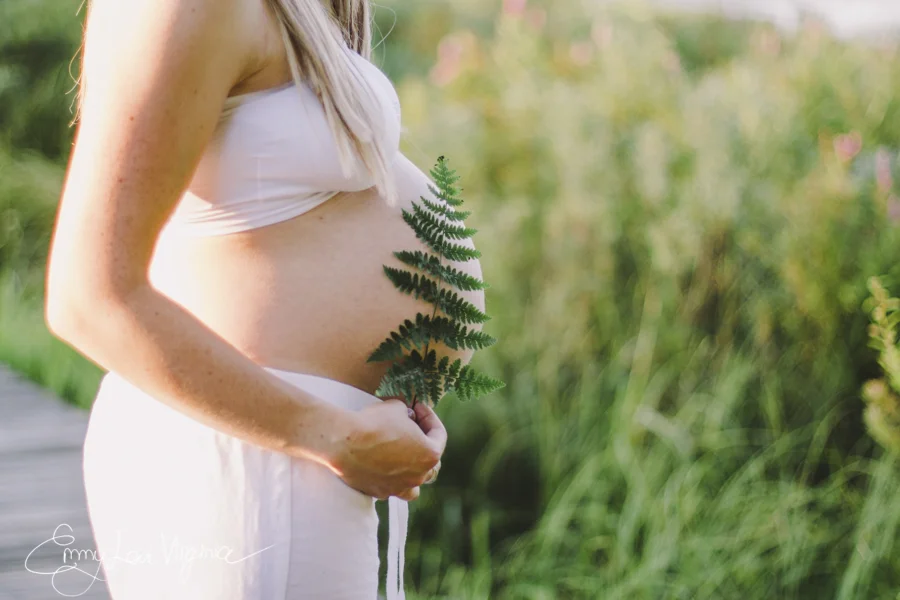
{"points": [[387, 453]]}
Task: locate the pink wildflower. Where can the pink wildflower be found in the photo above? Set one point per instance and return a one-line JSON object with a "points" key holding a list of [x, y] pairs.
{"points": [[893, 209], [848, 145], [769, 42], [514, 8], [671, 62], [601, 33], [536, 17], [883, 176], [448, 66], [581, 52]]}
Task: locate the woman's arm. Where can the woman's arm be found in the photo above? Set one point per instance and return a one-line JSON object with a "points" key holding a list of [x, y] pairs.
{"points": [[157, 73]]}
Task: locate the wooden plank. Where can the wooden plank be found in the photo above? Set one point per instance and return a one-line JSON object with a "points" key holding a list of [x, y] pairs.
{"points": [[42, 494]]}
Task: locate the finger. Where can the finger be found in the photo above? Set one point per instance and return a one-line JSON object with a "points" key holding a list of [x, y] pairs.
{"points": [[410, 494], [431, 475], [431, 425], [380, 493], [424, 412], [393, 401], [397, 403]]}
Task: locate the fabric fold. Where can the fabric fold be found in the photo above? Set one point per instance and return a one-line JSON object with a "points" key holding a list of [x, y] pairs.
{"points": [[398, 520]]}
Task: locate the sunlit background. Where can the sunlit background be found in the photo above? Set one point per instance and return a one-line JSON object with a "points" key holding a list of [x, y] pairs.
{"points": [[682, 216]]}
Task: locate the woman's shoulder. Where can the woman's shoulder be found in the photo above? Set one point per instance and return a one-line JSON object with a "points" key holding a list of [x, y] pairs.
{"points": [[218, 31]]}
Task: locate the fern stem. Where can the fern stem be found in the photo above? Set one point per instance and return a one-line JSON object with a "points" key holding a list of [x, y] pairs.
{"points": [[434, 310], [443, 240]]}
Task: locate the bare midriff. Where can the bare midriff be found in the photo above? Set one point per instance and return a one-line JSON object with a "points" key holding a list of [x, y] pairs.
{"points": [[308, 294]]}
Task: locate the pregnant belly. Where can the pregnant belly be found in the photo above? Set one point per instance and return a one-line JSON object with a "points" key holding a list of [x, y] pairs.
{"points": [[308, 294]]}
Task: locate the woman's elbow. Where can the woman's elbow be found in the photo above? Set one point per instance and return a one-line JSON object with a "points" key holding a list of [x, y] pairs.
{"points": [[64, 310], [72, 308]]}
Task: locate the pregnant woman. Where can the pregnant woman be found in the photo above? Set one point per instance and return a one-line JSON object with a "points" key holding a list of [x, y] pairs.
{"points": [[234, 189]]}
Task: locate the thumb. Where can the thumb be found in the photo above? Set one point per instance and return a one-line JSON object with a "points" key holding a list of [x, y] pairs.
{"points": [[431, 425], [398, 402]]}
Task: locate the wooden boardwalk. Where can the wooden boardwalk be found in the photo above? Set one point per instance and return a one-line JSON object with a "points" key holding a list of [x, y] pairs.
{"points": [[41, 492]]}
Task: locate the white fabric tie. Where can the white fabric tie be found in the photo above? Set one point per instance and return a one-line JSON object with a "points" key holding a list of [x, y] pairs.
{"points": [[398, 519]]}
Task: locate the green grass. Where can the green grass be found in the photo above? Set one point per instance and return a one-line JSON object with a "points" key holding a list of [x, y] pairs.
{"points": [[29, 190], [28, 347]]}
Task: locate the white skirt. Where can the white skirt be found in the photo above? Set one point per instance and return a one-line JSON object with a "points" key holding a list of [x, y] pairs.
{"points": [[181, 511]]}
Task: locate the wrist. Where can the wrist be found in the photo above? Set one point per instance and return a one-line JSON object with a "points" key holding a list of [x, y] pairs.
{"points": [[320, 433]]}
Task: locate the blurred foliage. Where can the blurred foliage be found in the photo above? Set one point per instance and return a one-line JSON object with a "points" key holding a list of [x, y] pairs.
{"points": [[679, 217], [882, 413], [676, 212], [38, 41]]}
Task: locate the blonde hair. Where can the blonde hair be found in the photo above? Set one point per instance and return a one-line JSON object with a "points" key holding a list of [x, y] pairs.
{"points": [[317, 35]]}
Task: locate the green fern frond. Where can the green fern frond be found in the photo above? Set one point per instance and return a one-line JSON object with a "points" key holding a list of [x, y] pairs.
{"points": [[456, 232], [429, 234], [472, 384], [448, 301], [409, 335], [468, 339], [445, 211], [449, 195], [425, 329], [432, 265], [457, 307], [390, 348], [416, 372], [434, 386], [457, 252], [417, 285], [444, 177], [403, 378]]}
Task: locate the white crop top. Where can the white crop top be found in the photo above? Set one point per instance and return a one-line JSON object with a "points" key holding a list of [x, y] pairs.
{"points": [[273, 157]]}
